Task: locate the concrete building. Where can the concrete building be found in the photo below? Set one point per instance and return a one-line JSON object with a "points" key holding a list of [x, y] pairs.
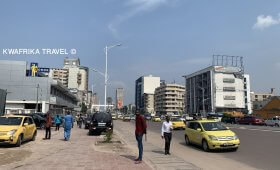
{"points": [[119, 98], [25, 93], [77, 78], [259, 100], [218, 88], [169, 99], [144, 90], [60, 74]]}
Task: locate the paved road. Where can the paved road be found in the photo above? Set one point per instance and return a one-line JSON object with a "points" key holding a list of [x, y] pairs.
{"points": [[260, 146]]}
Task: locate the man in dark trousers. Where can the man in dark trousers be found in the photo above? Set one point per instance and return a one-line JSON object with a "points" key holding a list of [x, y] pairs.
{"points": [[48, 126], [166, 133], [140, 130]]}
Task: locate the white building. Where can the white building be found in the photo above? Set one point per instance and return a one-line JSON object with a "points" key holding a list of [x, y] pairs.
{"points": [[144, 90], [217, 89], [169, 99]]}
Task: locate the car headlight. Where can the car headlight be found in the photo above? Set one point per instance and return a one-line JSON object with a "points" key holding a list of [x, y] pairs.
{"points": [[12, 132], [235, 137], [211, 137]]}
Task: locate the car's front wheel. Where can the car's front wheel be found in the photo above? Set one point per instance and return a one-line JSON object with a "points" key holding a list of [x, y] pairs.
{"points": [[34, 136], [187, 141], [18, 144], [205, 146]]}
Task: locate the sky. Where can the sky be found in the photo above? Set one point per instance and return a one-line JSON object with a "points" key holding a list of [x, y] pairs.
{"points": [[166, 38]]}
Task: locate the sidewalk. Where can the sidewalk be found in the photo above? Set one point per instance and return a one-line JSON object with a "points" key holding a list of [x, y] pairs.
{"points": [[78, 153], [153, 155]]}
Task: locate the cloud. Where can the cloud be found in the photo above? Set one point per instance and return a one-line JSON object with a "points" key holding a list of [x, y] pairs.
{"points": [[265, 22], [134, 7]]}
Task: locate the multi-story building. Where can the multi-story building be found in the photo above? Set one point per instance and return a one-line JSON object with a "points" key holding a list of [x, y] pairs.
{"points": [[77, 78], [119, 98], [33, 94], [60, 74], [259, 100], [169, 99], [218, 88], [144, 90]]}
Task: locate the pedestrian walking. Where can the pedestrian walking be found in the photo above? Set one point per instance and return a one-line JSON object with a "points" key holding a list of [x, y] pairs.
{"points": [[57, 121], [48, 126], [68, 125], [140, 130], [166, 133]]}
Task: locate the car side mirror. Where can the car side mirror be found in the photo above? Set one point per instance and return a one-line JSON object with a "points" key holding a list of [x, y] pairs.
{"points": [[198, 129], [25, 124]]}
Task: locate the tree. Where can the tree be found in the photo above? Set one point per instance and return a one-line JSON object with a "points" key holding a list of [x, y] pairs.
{"points": [[83, 108]]}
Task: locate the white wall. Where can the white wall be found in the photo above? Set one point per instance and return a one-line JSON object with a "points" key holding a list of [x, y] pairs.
{"points": [[150, 84], [239, 91]]}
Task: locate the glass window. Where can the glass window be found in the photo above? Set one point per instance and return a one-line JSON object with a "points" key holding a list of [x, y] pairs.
{"points": [[10, 121], [213, 126]]}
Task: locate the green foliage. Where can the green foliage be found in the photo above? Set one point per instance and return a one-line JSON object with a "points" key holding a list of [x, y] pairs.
{"points": [[108, 136]]}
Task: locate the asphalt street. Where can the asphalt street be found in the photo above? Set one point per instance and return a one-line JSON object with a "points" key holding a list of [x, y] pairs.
{"points": [[260, 145]]}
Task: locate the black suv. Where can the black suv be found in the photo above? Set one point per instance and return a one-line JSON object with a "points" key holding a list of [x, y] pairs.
{"points": [[100, 122]]}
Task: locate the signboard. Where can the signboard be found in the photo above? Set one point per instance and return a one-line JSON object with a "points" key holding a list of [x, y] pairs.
{"points": [[222, 69], [52, 100]]}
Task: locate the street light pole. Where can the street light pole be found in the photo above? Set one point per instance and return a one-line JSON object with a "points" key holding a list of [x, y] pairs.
{"points": [[37, 98], [106, 73]]}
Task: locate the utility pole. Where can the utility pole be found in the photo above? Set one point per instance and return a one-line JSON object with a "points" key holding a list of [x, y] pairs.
{"points": [[37, 87]]}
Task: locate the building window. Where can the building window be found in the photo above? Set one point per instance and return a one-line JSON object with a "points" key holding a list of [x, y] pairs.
{"points": [[256, 96], [228, 80], [229, 97], [229, 88]]}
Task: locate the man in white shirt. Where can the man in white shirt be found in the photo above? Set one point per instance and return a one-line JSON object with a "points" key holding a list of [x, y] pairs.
{"points": [[166, 133]]}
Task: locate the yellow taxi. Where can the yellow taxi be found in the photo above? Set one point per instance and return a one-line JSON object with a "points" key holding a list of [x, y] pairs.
{"points": [[210, 135], [16, 129], [156, 119], [177, 123]]}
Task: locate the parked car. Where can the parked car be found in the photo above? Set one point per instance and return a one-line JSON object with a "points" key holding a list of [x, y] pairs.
{"points": [[132, 117], [251, 120], [274, 121], [87, 122], [210, 135], [100, 122], [114, 116], [177, 123], [231, 120], [126, 118], [14, 129]]}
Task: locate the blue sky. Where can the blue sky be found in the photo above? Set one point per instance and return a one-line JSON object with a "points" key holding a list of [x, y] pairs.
{"points": [[166, 38]]}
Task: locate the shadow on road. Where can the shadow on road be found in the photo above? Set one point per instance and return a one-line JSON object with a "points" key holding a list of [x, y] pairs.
{"points": [[129, 157], [198, 148], [158, 152]]}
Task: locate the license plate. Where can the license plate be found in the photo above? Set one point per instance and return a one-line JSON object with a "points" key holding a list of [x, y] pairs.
{"points": [[228, 144], [101, 124]]}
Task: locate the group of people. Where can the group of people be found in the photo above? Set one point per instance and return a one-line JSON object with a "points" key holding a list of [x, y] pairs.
{"points": [[141, 130], [67, 125]]}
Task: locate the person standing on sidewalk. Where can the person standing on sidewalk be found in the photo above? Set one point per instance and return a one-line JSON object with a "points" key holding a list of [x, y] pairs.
{"points": [[166, 133], [68, 125], [48, 126], [140, 130], [57, 121]]}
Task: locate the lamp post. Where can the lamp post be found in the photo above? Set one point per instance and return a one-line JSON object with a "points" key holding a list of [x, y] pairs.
{"points": [[106, 73]]}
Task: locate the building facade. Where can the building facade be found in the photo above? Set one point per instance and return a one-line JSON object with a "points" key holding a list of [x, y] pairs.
{"points": [[60, 74], [217, 89], [144, 90], [119, 98], [169, 99], [33, 94], [259, 100]]}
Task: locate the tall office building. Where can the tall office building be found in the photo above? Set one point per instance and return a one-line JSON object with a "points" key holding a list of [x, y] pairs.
{"points": [[218, 88], [119, 98], [144, 93]]}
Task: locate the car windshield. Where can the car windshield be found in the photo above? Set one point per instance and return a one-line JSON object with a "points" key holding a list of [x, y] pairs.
{"points": [[213, 126], [10, 121], [176, 119]]}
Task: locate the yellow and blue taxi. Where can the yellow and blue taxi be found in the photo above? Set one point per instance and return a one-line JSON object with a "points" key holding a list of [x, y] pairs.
{"points": [[15, 129], [210, 135], [177, 123]]}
